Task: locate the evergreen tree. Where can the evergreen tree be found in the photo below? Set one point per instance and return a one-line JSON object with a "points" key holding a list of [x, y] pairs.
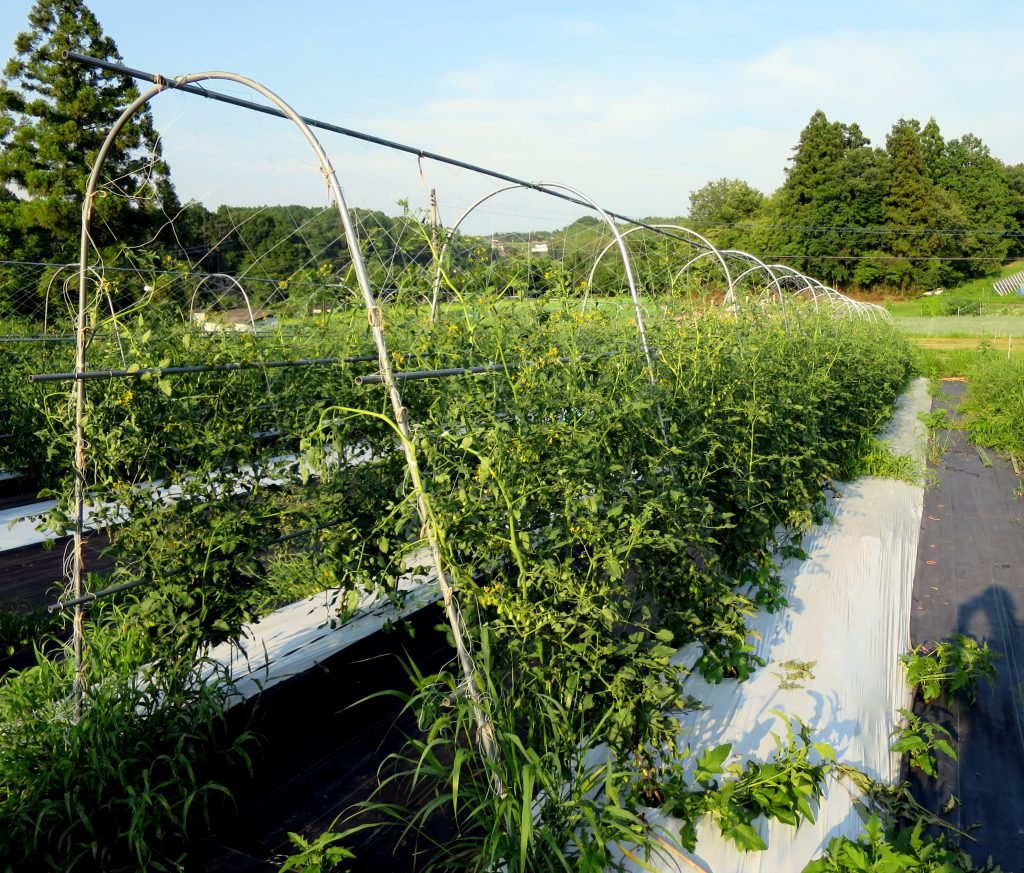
{"points": [[1014, 178], [978, 182], [918, 215], [807, 215], [54, 115], [933, 152]]}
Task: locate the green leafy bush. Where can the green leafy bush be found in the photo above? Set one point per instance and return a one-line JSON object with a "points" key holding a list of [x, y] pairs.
{"points": [[994, 406], [951, 667], [734, 795], [919, 740], [896, 849], [960, 306]]}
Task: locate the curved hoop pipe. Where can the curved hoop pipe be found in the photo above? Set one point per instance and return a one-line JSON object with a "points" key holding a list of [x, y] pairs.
{"points": [[233, 281], [248, 308], [645, 345], [485, 730], [730, 290], [761, 268], [454, 228], [679, 227]]}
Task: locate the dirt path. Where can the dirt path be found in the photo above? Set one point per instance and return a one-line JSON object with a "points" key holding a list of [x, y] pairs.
{"points": [[970, 579]]}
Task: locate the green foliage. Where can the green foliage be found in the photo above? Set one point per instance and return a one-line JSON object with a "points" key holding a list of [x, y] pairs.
{"points": [[951, 667], [539, 804], [734, 795], [874, 458], [54, 115], [994, 406], [121, 788], [592, 518], [919, 740], [957, 306], [25, 434], [894, 849], [723, 211], [321, 855], [23, 628], [809, 215], [795, 673], [918, 214]]}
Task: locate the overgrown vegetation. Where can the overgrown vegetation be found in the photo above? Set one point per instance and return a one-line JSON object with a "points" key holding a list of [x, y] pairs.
{"points": [[994, 407], [121, 787], [949, 668], [593, 519]]}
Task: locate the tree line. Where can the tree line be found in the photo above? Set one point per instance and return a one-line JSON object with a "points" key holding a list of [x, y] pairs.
{"points": [[920, 212]]}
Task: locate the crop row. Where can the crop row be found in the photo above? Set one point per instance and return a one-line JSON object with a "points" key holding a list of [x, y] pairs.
{"points": [[594, 513]]}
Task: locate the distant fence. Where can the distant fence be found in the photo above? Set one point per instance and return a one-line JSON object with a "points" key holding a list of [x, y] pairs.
{"points": [[1009, 284]]}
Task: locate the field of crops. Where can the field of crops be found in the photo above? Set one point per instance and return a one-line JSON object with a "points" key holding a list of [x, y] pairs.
{"points": [[592, 514]]}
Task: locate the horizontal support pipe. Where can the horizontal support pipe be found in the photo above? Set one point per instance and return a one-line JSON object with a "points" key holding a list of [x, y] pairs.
{"points": [[96, 595], [37, 339], [197, 368], [408, 375], [166, 82]]}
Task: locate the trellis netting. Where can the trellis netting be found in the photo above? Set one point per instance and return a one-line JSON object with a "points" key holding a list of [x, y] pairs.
{"points": [[222, 377]]}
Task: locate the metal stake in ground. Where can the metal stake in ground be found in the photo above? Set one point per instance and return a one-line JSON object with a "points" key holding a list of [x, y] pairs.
{"points": [[485, 729]]}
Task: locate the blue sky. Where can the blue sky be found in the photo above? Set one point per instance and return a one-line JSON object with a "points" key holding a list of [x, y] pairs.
{"points": [[634, 104]]}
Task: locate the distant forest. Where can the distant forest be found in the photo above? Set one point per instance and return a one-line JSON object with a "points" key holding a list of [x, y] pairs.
{"points": [[917, 213]]}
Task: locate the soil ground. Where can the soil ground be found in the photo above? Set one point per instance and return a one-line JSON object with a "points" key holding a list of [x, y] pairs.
{"points": [[970, 579]]}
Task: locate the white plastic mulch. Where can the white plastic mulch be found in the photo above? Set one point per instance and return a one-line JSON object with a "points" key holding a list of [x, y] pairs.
{"points": [[302, 635], [849, 614], [23, 525], [19, 525]]}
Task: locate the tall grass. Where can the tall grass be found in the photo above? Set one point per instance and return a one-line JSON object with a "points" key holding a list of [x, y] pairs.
{"points": [[995, 402], [122, 787]]}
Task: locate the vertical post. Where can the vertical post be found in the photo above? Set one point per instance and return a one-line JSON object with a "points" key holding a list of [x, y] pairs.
{"points": [[78, 390], [433, 221], [485, 729]]}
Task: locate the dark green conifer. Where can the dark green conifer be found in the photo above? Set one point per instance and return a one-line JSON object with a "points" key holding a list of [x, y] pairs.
{"points": [[54, 115]]}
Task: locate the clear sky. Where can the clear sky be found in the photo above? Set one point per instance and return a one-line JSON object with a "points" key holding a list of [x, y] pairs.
{"points": [[634, 104]]}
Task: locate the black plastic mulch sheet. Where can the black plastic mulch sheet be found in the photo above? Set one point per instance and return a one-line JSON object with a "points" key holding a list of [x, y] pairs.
{"points": [[970, 579]]}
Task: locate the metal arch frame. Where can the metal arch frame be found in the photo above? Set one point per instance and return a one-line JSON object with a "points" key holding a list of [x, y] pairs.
{"points": [[730, 295], [544, 187], [400, 413], [234, 281], [248, 308], [757, 266], [700, 239], [800, 286], [793, 276], [438, 272]]}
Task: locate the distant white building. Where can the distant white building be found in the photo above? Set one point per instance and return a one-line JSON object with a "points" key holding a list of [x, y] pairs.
{"points": [[538, 248]]}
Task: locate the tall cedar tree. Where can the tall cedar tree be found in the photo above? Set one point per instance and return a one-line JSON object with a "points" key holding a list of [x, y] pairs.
{"points": [[804, 226], [979, 182], [54, 116]]}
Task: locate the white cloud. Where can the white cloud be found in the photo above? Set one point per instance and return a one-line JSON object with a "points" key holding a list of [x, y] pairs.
{"points": [[579, 28], [479, 80]]}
